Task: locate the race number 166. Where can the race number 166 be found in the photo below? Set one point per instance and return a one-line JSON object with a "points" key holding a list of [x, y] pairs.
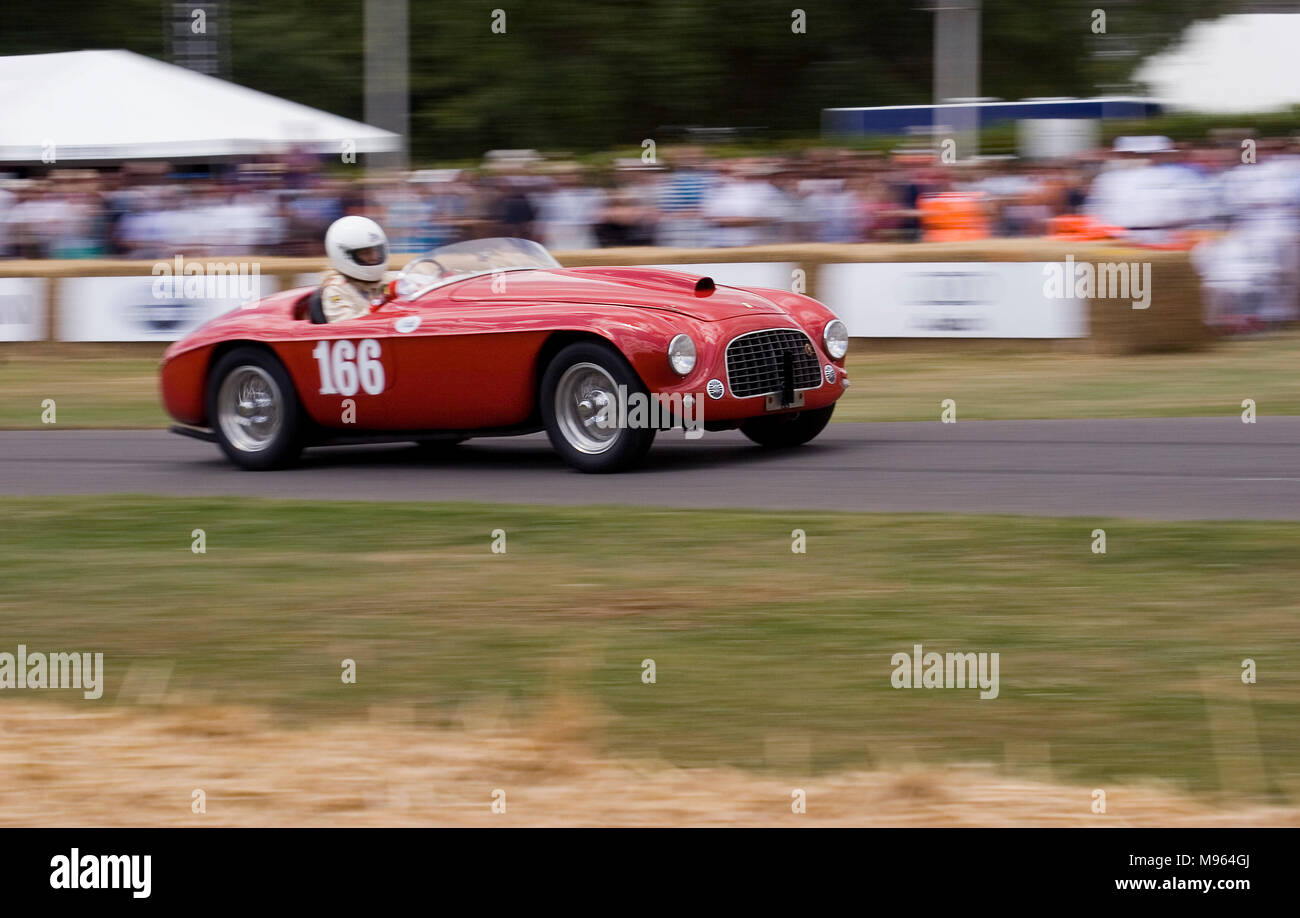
{"points": [[345, 367]]}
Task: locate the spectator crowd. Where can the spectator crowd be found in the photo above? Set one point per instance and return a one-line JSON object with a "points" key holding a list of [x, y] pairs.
{"points": [[1237, 203]]}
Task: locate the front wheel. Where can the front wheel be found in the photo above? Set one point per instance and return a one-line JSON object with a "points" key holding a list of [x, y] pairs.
{"points": [[580, 398], [786, 430], [254, 410]]}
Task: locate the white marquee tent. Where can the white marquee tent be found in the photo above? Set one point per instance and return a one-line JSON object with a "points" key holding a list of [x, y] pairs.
{"points": [[112, 105]]}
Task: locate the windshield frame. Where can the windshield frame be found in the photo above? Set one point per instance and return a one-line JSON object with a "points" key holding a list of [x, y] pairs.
{"points": [[432, 256]]}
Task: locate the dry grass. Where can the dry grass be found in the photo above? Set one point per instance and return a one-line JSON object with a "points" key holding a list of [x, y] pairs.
{"points": [[139, 767]]}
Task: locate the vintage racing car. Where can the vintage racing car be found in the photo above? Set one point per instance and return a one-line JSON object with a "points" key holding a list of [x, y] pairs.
{"points": [[492, 337]]}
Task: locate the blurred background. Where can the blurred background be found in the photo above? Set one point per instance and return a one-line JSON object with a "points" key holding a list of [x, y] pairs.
{"points": [[688, 124]]}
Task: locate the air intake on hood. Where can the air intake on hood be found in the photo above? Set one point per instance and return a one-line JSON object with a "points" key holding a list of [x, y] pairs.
{"points": [[704, 286]]}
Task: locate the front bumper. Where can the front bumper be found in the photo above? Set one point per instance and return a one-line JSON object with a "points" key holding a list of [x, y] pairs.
{"points": [[710, 383]]}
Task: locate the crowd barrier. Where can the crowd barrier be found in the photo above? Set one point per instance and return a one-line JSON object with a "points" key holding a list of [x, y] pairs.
{"points": [[1097, 297]]}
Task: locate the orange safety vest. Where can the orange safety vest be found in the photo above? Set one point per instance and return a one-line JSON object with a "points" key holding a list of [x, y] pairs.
{"points": [[1079, 228], [952, 216]]}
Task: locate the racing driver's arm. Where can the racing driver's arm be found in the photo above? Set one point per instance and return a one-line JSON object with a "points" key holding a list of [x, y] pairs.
{"points": [[343, 299]]}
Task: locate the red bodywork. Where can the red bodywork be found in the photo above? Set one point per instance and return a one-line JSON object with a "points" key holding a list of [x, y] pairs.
{"points": [[476, 357]]}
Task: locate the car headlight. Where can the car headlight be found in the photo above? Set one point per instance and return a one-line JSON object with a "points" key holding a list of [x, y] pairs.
{"points": [[681, 354], [836, 338]]}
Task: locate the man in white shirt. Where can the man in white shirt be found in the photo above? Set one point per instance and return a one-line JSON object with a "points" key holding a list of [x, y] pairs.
{"points": [[1145, 194], [742, 208]]}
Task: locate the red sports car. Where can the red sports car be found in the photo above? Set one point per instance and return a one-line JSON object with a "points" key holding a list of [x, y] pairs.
{"points": [[491, 338]]}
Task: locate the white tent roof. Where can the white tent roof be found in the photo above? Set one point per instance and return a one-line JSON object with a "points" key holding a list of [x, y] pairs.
{"points": [[119, 105], [1240, 63]]}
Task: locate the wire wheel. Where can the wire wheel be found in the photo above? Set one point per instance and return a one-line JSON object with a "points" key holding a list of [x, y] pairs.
{"points": [[249, 408], [586, 408]]}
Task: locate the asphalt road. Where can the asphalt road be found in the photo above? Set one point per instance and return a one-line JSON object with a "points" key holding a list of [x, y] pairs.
{"points": [[1176, 468]]}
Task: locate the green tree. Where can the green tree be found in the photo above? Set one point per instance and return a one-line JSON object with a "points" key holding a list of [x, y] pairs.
{"points": [[591, 74]]}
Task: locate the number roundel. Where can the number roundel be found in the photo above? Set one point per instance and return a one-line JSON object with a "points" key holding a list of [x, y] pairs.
{"points": [[346, 367]]}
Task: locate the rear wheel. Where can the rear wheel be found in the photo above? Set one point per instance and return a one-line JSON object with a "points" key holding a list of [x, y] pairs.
{"points": [[254, 409], [786, 430], [579, 406]]}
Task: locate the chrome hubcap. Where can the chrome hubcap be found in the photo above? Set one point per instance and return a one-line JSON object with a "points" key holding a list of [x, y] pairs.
{"points": [[586, 405], [248, 408]]}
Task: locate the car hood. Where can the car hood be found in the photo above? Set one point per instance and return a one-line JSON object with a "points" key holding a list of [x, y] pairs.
{"points": [[692, 295]]}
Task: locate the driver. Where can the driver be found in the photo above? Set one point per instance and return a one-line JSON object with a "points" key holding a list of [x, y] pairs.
{"points": [[358, 253]]}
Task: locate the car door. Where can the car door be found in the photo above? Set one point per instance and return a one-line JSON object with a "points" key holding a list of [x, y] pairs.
{"points": [[348, 376], [463, 365]]}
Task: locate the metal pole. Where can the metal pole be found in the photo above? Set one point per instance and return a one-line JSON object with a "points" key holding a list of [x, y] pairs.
{"points": [[388, 76], [957, 72]]}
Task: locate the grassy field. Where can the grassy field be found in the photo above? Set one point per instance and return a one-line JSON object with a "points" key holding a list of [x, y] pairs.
{"points": [[92, 386], [113, 387], [909, 384], [1115, 667]]}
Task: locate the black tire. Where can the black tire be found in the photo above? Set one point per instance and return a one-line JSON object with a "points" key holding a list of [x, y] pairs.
{"points": [[781, 431], [282, 442], [626, 446]]}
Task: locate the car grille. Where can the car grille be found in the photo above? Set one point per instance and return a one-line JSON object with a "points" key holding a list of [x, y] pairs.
{"points": [[756, 361]]}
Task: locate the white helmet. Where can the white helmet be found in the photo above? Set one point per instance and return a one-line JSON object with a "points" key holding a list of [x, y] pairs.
{"points": [[357, 248]]}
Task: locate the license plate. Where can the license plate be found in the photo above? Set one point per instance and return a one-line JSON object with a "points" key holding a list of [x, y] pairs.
{"points": [[774, 402]]}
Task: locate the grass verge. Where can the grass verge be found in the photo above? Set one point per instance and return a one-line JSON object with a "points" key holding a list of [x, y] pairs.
{"points": [[1112, 667]]}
